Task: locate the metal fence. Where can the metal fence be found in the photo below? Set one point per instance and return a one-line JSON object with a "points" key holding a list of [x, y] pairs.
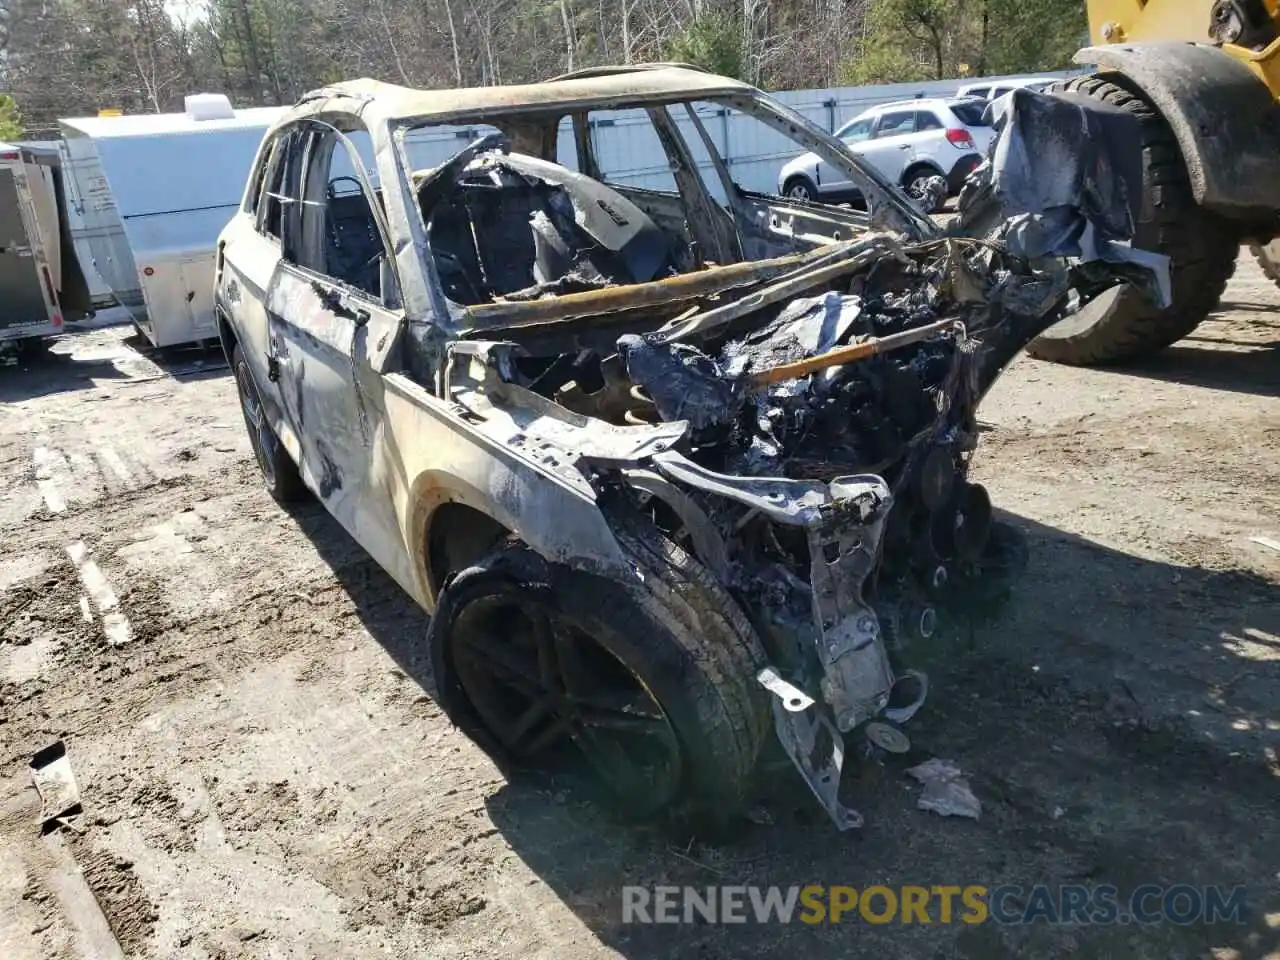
{"points": [[628, 150]]}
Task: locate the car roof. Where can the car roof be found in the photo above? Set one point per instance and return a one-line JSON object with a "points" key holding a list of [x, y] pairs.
{"points": [[919, 103], [925, 102], [1015, 81], [603, 86]]}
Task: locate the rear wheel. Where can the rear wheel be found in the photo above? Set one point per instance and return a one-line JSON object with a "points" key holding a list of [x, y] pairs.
{"points": [[916, 183], [800, 188], [1121, 324], [649, 688], [279, 472]]}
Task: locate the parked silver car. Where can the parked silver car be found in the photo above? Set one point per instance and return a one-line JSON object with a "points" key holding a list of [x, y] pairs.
{"points": [[995, 89], [909, 142], [661, 462]]}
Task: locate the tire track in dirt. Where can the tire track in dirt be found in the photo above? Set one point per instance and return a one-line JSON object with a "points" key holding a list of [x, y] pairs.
{"points": [[266, 757]]}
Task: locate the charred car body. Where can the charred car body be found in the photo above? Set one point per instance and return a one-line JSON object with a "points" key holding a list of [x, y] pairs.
{"points": [[668, 467]]}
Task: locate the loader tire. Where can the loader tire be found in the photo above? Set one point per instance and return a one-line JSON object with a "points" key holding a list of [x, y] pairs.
{"points": [[674, 641], [1121, 324], [1268, 257]]}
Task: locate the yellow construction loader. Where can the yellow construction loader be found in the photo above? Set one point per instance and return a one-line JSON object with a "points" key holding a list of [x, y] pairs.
{"points": [[1203, 77]]}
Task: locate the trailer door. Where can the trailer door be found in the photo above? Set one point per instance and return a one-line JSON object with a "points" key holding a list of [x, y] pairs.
{"points": [[22, 296]]}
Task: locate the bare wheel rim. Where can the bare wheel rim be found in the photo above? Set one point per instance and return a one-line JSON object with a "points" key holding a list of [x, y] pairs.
{"points": [[538, 679], [260, 436], [916, 187]]}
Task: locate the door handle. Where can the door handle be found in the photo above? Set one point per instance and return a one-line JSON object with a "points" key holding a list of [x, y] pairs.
{"points": [[905, 146]]}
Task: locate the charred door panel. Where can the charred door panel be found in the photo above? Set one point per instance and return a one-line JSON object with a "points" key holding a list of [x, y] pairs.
{"points": [[250, 262], [322, 335], [251, 258]]}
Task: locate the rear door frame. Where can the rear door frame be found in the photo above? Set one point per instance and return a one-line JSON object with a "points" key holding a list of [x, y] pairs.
{"points": [[331, 342], [246, 266]]}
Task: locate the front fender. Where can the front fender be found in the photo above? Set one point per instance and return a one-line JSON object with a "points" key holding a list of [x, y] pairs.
{"points": [[1226, 121], [436, 457]]}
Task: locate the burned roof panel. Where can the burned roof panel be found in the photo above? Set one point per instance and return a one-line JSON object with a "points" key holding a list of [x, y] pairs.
{"points": [[392, 102]]}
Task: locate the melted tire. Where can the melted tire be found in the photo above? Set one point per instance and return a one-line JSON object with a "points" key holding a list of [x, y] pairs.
{"points": [[1202, 249], [681, 635]]}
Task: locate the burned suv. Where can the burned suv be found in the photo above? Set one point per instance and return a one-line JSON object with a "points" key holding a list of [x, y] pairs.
{"points": [[670, 460]]}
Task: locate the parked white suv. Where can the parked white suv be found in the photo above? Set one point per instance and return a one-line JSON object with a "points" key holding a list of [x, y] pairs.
{"points": [[909, 142], [995, 89]]}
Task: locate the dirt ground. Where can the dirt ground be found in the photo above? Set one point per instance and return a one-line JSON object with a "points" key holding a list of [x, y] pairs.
{"points": [[264, 772]]}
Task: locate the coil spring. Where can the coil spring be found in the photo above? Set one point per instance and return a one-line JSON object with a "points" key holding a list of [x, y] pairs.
{"points": [[643, 411]]}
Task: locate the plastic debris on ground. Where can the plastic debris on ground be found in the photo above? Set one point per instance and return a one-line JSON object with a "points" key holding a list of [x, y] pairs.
{"points": [[56, 783], [946, 791]]}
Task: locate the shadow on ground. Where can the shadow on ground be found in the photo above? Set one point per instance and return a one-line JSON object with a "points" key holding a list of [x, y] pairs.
{"points": [[104, 357], [1114, 717], [385, 610], [1195, 362], [1251, 306]]}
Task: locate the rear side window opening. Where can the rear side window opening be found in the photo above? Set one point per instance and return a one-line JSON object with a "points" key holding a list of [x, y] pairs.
{"points": [[971, 114]]}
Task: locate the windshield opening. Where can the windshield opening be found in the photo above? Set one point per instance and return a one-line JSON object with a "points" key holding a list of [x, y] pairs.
{"points": [[525, 207]]}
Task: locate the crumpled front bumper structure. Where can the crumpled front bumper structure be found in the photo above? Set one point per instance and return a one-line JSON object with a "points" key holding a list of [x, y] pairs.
{"points": [[844, 524]]}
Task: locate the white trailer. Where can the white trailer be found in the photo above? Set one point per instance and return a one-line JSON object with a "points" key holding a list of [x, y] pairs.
{"points": [[41, 284], [154, 191]]}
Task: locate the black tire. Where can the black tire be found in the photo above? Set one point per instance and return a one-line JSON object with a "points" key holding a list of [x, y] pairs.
{"points": [[1268, 257], [681, 636], [1121, 324], [922, 173], [279, 472], [800, 188]]}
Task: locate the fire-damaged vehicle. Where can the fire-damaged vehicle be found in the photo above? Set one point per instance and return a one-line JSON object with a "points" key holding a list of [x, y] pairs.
{"points": [[670, 463]]}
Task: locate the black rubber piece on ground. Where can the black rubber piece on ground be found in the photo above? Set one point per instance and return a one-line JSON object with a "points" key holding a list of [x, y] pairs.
{"points": [[679, 632], [1202, 249]]}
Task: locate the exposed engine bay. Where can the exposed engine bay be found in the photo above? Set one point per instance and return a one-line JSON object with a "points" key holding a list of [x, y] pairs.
{"points": [[802, 424]]}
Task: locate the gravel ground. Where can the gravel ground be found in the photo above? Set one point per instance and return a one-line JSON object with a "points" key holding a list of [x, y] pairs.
{"points": [[264, 772]]}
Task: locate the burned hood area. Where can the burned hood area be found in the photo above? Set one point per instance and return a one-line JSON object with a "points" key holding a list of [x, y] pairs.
{"points": [[828, 396]]}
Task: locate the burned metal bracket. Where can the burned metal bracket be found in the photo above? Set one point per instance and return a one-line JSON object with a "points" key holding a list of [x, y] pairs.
{"points": [[812, 742], [793, 698], [844, 547], [793, 502]]}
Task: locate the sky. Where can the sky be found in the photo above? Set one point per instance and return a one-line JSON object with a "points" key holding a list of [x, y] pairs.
{"points": [[184, 12]]}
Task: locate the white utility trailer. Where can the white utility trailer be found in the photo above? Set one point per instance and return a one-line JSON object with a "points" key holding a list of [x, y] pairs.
{"points": [[41, 284], [154, 192]]}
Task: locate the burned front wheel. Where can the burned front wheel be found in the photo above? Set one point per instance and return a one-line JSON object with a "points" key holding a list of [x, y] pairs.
{"points": [[647, 687]]}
